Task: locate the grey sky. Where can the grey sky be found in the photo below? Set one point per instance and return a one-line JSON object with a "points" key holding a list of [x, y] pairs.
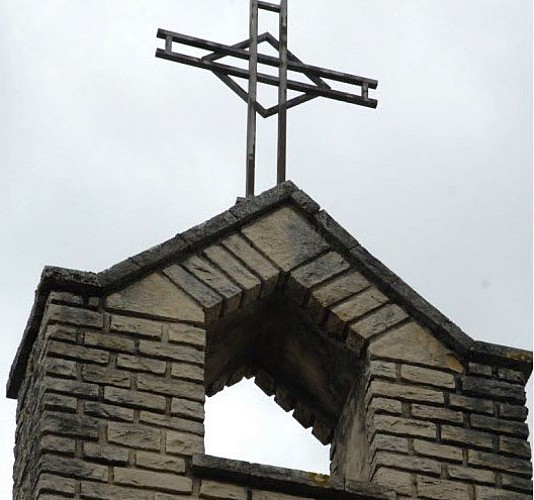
{"points": [[106, 150]]}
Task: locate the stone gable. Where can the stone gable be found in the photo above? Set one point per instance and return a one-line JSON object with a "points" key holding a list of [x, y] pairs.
{"points": [[114, 367]]}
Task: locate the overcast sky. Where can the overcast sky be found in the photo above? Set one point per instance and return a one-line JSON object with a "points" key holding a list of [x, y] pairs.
{"points": [[106, 150]]}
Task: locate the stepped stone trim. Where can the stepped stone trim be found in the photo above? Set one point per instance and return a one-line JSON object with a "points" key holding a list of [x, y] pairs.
{"points": [[91, 286]]}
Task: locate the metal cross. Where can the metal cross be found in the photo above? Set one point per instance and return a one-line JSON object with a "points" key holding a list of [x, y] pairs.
{"points": [[285, 61]]}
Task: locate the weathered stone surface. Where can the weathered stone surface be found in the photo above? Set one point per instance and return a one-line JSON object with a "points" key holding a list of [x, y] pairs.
{"points": [[499, 462], [485, 493], [156, 296], [210, 229], [181, 333], [459, 435], [171, 352], [511, 375], [136, 326], [389, 443], [397, 480], [72, 467], [435, 450], [112, 455], [519, 447], [210, 300], [111, 492], [213, 277], [68, 424], [64, 333], [286, 238], [304, 277], [150, 479], [109, 412], [254, 260], [354, 307], [58, 444], [78, 352], [475, 405], [273, 495], [181, 443], [513, 412], [170, 387], [428, 377], [377, 322], [141, 364], [223, 491], [403, 426], [383, 405], [187, 371], [407, 462], [499, 425], [383, 369], [106, 375], [109, 342], [65, 298], [134, 399], [439, 489], [188, 409], [133, 436], [61, 367], [155, 461], [516, 483], [437, 413], [479, 369], [413, 344], [50, 483], [404, 392], [59, 402], [471, 474], [494, 389], [73, 316], [172, 422], [247, 281]]}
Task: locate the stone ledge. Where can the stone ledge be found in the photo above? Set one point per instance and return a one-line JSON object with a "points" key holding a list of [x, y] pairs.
{"points": [[281, 480]]}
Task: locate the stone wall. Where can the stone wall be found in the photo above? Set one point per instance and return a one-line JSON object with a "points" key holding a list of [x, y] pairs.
{"points": [[111, 404]]}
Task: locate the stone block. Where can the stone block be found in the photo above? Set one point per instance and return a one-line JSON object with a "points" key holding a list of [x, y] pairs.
{"points": [[267, 272], [67, 424], [459, 435], [140, 364], [110, 455], [437, 413], [210, 300], [50, 483], [512, 412], [499, 462], [186, 371], [172, 352], [109, 341], [111, 492], [156, 296], [62, 367], [221, 491], [60, 402], [134, 399], [237, 272], [286, 238], [476, 405], [386, 442], [65, 298], [108, 412], [406, 462], [404, 392], [436, 450], [353, 308], [313, 273], [383, 369], [403, 426], [181, 443], [395, 479], [410, 343], [72, 467], [63, 333], [136, 326], [73, 316], [512, 446], [494, 389], [379, 321], [58, 444], [427, 376], [154, 480], [471, 474], [181, 333], [187, 409], [340, 288], [383, 405], [516, 483], [482, 370], [133, 436], [485, 493], [210, 275], [511, 375], [511, 427], [77, 352], [172, 422], [106, 375], [170, 387], [158, 462], [440, 489]]}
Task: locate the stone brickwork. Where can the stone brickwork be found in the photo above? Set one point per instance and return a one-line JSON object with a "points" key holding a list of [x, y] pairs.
{"points": [[114, 368]]}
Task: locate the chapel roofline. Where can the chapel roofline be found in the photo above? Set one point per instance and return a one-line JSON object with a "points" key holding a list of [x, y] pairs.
{"points": [[125, 272]]}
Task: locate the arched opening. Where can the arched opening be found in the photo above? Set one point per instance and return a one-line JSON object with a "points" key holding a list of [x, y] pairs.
{"points": [[243, 424]]}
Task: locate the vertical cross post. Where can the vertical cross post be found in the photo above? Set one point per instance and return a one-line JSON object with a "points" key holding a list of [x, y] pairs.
{"points": [[282, 96], [252, 96]]}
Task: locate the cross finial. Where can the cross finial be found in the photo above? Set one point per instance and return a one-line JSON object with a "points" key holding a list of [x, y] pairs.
{"points": [[285, 61]]}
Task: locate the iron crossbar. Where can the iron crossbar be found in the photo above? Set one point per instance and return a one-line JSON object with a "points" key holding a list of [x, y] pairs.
{"points": [[285, 62]]}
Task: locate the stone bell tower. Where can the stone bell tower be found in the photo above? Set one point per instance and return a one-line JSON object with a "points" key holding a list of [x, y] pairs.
{"points": [[114, 367]]}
